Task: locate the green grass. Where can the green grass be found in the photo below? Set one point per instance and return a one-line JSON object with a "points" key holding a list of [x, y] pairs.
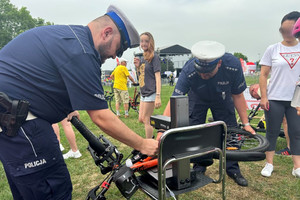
{"points": [[86, 175]]}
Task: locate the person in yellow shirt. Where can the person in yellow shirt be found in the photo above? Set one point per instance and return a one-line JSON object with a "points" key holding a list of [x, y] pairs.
{"points": [[120, 75]]}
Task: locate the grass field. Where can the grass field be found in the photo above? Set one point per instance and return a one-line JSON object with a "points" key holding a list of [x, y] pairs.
{"points": [[85, 174]]}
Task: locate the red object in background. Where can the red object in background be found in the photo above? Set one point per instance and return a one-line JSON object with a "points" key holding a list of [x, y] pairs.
{"points": [[243, 63]]}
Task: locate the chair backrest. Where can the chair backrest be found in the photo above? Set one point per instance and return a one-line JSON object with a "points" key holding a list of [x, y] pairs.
{"points": [[181, 144], [192, 139]]}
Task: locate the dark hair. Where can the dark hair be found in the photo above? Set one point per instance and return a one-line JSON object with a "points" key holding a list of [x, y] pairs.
{"points": [[291, 16]]}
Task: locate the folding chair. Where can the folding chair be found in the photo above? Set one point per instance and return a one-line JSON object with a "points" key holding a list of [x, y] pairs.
{"points": [[177, 146]]}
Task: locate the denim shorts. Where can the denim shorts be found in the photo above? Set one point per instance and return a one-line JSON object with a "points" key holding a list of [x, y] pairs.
{"points": [[150, 98]]}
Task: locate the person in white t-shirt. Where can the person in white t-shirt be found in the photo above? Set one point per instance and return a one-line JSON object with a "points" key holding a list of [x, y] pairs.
{"points": [[281, 60]]}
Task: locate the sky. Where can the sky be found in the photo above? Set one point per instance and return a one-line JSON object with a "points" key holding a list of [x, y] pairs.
{"points": [[245, 26]]}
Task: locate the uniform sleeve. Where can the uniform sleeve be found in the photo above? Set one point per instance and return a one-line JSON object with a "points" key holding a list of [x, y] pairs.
{"points": [[267, 57], [182, 86], [82, 78], [156, 63], [239, 83]]}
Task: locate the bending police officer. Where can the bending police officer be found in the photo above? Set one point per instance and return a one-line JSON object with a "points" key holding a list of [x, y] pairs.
{"points": [[214, 80]]}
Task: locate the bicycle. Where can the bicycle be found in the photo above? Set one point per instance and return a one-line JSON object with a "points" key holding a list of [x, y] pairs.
{"points": [[134, 102], [109, 159]]}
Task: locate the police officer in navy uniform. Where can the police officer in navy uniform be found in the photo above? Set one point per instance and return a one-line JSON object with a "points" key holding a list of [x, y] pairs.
{"points": [[214, 80], [57, 69]]}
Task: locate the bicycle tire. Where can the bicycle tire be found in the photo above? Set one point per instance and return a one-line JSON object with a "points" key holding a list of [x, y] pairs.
{"points": [[255, 153], [111, 104], [136, 103], [244, 156], [129, 105]]}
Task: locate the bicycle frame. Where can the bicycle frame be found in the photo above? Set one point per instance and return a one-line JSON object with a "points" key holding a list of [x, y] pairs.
{"points": [[132, 101]]}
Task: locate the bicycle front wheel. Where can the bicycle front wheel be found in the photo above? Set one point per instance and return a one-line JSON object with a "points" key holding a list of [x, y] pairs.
{"points": [[243, 146]]}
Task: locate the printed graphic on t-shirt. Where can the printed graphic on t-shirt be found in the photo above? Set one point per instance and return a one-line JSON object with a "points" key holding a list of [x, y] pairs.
{"points": [[142, 75], [291, 58]]}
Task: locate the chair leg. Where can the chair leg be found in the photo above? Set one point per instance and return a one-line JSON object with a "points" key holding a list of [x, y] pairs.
{"points": [[223, 187]]}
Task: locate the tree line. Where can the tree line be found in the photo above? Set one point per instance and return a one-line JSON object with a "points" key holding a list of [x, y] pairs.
{"points": [[14, 21]]}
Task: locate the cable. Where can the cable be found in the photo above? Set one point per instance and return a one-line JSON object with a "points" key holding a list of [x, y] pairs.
{"points": [[171, 193]]}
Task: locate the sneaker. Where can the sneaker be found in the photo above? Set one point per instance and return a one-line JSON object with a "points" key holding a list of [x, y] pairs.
{"points": [[267, 170], [61, 147], [285, 152], [296, 172], [72, 154], [126, 116]]}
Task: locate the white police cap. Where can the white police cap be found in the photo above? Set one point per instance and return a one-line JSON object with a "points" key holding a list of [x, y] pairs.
{"points": [[208, 50], [130, 36]]}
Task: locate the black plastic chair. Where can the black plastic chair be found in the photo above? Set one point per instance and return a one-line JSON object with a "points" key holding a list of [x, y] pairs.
{"points": [[177, 146]]}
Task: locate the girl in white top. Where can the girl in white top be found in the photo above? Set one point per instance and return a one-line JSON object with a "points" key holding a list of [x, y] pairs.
{"points": [[281, 60]]}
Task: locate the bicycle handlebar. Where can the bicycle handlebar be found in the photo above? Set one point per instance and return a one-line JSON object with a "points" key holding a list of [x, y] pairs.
{"points": [[88, 135], [101, 151]]}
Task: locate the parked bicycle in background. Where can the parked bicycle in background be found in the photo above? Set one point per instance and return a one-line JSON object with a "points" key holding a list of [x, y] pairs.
{"points": [[134, 100]]}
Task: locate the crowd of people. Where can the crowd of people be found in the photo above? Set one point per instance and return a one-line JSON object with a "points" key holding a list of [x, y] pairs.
{"points": [[61, 74]]}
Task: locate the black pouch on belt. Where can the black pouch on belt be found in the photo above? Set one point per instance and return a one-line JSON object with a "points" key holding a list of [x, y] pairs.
{"points": [[13, 114]]}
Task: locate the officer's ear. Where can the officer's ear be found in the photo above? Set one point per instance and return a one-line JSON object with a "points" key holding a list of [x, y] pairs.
{"points": [[219, 63], [107, 33]]}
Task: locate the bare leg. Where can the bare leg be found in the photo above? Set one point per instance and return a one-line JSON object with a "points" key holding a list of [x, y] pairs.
{"points": [[118, 108], [141, 112], [145, 114], [69, 134], [296, 160], [126, 105], [56, 131], [270, 156]]}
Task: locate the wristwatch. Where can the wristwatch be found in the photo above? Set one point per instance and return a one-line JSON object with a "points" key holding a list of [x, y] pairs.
{"points": [[247, 124]]}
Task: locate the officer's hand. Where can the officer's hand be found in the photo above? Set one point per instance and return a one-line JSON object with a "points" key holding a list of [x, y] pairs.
{"points": [[249, 129], [149, 147]]}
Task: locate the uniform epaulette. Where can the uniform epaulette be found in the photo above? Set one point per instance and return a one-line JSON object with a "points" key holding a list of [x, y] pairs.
{"points": [[231, 68], [192, 74]]}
